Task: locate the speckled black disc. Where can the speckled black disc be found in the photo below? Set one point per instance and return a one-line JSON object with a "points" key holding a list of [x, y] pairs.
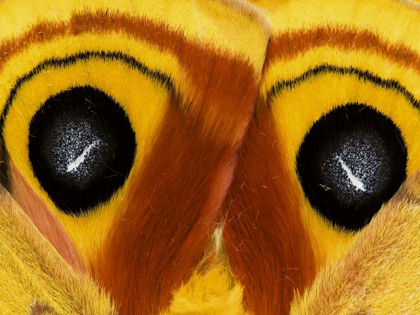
{"points": [[351, 161], [81, 147]]}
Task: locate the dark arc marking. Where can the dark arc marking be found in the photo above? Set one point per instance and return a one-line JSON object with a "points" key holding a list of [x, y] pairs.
{"points": [[164, 79], [389, 84]]}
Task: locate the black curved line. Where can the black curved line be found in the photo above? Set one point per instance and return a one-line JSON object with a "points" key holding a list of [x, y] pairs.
{"points": [[388, 84], [155, 75]]}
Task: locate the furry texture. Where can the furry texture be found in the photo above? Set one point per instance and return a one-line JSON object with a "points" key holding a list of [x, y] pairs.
{"points": [[35, 278], [212, 218], [379, 268]]}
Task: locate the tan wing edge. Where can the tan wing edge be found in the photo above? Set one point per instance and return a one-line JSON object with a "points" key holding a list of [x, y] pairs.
{"points": [[380, 273], [34, 277]]}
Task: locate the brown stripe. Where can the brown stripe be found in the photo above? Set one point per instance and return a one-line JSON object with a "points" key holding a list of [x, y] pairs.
{"points": [[289, 45], [266, 243], [174, 204], [171, 210]]}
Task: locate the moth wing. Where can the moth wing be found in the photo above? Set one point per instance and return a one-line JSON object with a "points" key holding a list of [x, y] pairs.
{"points": [[35, 278], [379, 274]]}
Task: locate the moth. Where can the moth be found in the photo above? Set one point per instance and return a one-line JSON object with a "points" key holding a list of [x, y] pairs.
{"points": [[209, 157]]}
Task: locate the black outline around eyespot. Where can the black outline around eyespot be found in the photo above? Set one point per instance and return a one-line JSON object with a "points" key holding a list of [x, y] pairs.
{"points": [[364, 75], [349, 118], [155, 75], [361, 75]]}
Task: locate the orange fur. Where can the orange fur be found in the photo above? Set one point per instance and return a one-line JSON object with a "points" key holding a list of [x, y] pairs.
{"points": [[266, 243]]}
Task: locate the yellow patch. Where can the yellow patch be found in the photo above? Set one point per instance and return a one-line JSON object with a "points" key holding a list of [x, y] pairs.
{"points": [[212, 289], [212, 293], [22, 63]]}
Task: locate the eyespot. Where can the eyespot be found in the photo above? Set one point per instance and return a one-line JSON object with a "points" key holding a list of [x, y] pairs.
{"points": [[352, 160], [81, 147]]}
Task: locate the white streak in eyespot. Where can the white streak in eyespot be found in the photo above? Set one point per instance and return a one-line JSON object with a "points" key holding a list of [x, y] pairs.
{"points": [[353, 179], [76, 163]]}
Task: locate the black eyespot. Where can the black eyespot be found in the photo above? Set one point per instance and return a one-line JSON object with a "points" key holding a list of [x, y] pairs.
{"points": [[81, 147], [351, 161]]}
